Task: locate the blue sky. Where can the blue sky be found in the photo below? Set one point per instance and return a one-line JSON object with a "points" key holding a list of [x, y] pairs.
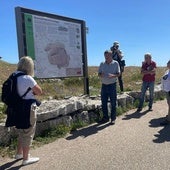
{"points": [[140, 26]]}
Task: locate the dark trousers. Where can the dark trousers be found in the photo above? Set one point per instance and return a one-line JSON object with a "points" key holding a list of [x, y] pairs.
{"points": [[109, 91], [120, 82]]}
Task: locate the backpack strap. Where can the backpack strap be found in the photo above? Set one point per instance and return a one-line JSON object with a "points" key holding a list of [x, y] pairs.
{"points": [[18, 74], [29, 88]]}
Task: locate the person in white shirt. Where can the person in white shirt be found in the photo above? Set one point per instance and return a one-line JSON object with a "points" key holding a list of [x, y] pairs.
{"points": [[26, 134], [165, 82]]}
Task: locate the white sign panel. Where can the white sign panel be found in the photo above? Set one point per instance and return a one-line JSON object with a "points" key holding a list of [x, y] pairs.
{"points": [[55, 45]]}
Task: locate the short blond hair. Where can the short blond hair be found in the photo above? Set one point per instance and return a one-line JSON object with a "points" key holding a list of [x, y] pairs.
{"points": [[26, 65]]}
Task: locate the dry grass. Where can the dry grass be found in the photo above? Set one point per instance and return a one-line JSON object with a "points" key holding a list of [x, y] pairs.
{"points": [[5, 70], [74, 86], [131, 76]]}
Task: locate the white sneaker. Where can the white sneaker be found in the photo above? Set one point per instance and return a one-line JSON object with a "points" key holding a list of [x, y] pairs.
{"points": [[18, 156], [30, 160]]}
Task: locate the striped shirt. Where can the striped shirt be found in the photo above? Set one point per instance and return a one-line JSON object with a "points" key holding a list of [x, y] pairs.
{"points": [[106, 69]]}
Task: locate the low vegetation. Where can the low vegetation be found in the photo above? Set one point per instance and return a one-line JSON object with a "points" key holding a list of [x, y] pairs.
{"points": [[60, 88]]}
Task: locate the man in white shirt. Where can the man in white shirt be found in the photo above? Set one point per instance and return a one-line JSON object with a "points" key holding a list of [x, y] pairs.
{"points": [[165, 81]]}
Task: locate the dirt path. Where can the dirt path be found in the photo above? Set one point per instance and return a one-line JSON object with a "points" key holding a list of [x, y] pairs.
{"points": [[135, 142]]}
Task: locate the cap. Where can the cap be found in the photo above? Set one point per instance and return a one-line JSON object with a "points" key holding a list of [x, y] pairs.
{"points": [[116, 43]]}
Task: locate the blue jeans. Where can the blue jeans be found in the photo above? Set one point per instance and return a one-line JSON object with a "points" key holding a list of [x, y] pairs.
{"points": [[109, 91], [145, 86]]}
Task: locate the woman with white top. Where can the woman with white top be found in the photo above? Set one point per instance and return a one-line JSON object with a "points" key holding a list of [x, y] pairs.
{"points": [[26, 134]]}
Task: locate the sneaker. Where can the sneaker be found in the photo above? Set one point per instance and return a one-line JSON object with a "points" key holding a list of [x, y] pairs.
{"points": [[112, 122], [30, 161], [18, 156], [139, 109], [150, 109], [165, 122]]}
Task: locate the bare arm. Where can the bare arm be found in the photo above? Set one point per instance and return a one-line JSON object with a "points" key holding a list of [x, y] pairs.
{"points": [[37, 90], [148, 72], [114, 75], [109, 75]]}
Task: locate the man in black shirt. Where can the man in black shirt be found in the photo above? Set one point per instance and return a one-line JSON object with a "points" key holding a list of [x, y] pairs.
{"points": [[118, 55]]}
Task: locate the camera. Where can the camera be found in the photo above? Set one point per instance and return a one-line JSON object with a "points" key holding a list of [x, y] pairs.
{"points": [[115, 47]]}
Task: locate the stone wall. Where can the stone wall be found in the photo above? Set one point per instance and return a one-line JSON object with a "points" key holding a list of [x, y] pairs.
{"points": [[68, 111]]}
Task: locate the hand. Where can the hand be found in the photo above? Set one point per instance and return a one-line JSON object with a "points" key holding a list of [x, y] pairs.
{"points": [[111, 75]]}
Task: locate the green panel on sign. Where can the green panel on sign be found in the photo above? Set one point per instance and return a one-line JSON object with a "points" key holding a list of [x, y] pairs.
{"points": [[29, 35]]}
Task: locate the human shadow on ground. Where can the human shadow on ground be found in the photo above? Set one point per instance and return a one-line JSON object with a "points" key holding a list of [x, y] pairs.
{"points": [[163, 135], [10, 164], [135, 115], [85, 132]]}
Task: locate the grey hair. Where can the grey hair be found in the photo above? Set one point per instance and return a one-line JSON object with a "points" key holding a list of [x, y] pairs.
{"points": [[26, 65], [148, 54]]}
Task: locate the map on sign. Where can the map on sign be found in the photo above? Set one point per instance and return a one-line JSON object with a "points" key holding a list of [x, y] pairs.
{"points": [[55, 45]]}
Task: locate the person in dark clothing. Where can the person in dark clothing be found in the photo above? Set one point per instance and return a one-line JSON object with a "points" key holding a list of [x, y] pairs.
{"points": [[118, 55]]}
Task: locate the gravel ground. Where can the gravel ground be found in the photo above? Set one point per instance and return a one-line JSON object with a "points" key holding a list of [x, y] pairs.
{"points": [[135, 142]]}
